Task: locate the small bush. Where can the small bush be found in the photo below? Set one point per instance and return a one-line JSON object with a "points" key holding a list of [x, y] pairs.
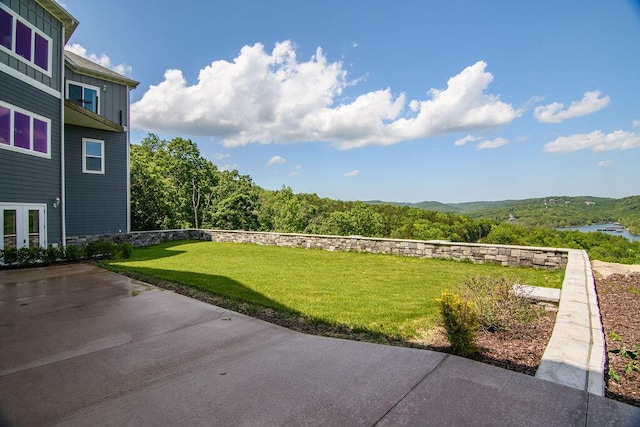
{"points": [[460, 321], [498, 306], [51, 255], [28, 256], [126, 249], [73, 253], [10, 256], [106, 250]]}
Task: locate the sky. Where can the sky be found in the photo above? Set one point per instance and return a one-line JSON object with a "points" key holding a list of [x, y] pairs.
{"points": [[405, 101]]}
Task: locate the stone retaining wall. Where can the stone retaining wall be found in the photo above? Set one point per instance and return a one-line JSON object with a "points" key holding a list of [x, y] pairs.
{"points": [[524, 256]]}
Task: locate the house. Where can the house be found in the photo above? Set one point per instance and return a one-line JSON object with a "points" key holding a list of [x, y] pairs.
{"points": [[64, 132]]}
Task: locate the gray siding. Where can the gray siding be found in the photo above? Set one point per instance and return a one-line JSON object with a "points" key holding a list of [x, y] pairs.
{"points": [[96, 204], [113, 100], [41, 19], [30, 179]]}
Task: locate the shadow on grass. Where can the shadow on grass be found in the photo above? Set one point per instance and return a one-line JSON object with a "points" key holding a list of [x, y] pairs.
{"points": [[230, 294]]}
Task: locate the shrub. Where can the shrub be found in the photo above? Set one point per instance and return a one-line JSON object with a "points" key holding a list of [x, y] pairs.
{"points": [[499, 308], [9, 256], [126, 249], [28, 256], [72, 253], [51, 255], [106, 250], [460, 322]]}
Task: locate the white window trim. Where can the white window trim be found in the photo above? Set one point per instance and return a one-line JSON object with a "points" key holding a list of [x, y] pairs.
{"points": [[83, 86], [84, 156], [32, 115], [11, 51]]}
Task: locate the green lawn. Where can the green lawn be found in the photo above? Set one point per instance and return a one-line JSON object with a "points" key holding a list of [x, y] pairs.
{"points": [[383, 294]]}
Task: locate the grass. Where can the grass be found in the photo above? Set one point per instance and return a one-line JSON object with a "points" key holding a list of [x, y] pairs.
{"points": [[381, 294]]}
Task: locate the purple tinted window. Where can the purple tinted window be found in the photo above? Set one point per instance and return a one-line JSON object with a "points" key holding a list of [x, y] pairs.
{"points": [[39, 136], [6, 28], [41, 53], [22, 129], [23, 40], [5, 126]]}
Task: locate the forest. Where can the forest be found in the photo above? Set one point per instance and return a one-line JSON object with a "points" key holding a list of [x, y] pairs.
{"points": [[174, 186]]}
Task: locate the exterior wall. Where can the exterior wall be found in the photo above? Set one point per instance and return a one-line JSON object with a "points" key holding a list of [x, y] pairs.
{"points": [[30, 179], [113, 100], [95, 203], [522, 256], [41, 19]]}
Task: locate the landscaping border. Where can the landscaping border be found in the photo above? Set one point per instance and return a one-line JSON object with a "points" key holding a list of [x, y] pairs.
{"points": [[575, 355], [506, 255]]}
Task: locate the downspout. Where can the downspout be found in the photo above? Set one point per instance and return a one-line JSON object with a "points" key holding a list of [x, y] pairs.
{"points": [[63, 197], [128, 160]]}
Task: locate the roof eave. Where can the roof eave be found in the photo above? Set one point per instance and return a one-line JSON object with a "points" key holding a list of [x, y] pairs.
{"points": [[70, 23], [132, 84]]}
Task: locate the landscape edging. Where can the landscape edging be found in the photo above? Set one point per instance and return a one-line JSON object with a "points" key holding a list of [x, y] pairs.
{"points": [[575, 355]]}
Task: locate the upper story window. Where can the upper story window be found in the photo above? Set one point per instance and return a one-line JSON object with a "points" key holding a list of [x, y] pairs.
{"points": [[92, 155], [84, 95], [22, 40], [24, 131]]}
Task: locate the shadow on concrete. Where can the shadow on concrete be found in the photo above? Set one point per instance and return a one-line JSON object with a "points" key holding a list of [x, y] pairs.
{"points": [[228, 293]]}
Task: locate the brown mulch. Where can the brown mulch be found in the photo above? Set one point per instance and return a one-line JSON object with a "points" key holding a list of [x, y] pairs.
{"points": [[619, 300], [518, 349]]}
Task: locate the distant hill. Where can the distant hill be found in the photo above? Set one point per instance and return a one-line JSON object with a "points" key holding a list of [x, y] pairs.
{"points": [[427, 205], [552, 211]]}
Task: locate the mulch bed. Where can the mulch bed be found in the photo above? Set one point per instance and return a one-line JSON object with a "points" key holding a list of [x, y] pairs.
{"points": [[519, 348], [619, 300]]}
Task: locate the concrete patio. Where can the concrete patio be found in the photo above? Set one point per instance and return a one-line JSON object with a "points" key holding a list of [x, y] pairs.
{"points": [[80, 346]]}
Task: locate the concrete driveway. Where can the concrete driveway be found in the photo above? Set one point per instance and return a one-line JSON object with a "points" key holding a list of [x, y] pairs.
{"points": [[83, 346]]}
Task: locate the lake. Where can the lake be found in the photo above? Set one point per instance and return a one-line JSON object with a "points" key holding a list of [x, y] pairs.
{"points": [[591, 228]]}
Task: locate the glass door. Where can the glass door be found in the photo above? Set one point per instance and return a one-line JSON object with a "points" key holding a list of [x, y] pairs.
{"points": [[10, 228], [22, 226]]}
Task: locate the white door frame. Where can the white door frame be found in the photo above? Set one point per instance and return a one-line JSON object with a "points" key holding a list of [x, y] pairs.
{"points": [[22, 222]]}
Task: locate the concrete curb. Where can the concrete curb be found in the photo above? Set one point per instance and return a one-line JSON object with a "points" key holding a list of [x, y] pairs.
{"points": [[575, 355]]}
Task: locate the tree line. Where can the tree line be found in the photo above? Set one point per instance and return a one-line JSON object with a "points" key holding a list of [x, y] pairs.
{"points": [[174, 186]]}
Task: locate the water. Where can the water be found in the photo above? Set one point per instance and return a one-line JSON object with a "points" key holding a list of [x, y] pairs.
{"points": [[590, 228]]}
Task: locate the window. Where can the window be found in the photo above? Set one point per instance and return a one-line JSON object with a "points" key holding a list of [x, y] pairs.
{"points": [[92, 156], [24, 131], [85, 96], [24, 41]]}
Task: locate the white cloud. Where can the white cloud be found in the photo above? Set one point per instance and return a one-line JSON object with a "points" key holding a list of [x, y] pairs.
{"points": [[275, 160], [263, 97], [228, 167], [352, 173], [102, 59], [595, 141], [498, 142], [636, 124], [605, 163], [296, 171], [220, 156], [554, 113], [464, 140]]}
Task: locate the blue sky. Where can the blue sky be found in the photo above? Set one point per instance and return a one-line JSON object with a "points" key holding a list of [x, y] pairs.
{"points": [[400, 101]]}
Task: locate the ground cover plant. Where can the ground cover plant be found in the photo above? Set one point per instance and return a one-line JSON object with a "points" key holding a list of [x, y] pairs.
{"points": [[387, 296]]}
